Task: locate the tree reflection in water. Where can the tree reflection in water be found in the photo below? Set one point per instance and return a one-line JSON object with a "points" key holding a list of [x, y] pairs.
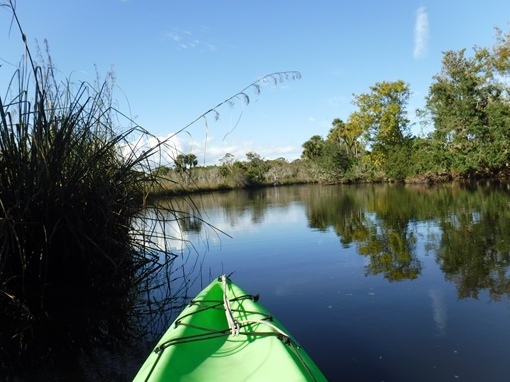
{"points": [[384, 222]]}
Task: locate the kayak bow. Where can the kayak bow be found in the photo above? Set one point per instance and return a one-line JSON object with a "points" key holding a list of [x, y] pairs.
{"points": [[224, 334]]}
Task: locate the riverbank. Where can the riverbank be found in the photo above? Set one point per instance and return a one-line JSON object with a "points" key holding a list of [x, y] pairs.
{"points": [[218, 178]]}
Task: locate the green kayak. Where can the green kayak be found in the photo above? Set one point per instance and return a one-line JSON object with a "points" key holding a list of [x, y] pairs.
{"points": [[224, 335]]}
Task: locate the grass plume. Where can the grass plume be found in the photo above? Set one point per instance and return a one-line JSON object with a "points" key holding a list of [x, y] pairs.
{"points": [[78, 252]]}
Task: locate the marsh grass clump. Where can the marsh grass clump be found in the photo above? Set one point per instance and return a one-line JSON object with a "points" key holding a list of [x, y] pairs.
{"points": [[71, 185], [82, 263], [67, 198]]}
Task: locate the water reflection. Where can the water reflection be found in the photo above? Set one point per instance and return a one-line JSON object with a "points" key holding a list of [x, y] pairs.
{"points": [[379, 269], [470, 225], [439, 310], [105, 334]]}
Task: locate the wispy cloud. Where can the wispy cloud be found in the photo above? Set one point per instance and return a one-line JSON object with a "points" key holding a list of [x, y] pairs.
{"points": [[210, 151], [186, 40], [421, 33]]}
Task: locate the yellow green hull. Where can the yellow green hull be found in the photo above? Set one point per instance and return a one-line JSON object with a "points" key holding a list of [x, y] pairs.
{"points": [[201, 345]]}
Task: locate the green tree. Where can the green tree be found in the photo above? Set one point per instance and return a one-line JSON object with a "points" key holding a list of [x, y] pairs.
{"points": [[427, 159], [313, 147], [382, 119], [227, 162], [346, 135], [185, 162], [328, 158], [336, 133], [469, 108], [332, 164], [256, 167]]}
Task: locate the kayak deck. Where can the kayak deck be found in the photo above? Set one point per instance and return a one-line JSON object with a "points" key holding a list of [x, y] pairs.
{"points": [[224, 334]]}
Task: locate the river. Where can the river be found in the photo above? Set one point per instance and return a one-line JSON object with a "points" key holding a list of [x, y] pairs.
{"points": [[376, 282]]}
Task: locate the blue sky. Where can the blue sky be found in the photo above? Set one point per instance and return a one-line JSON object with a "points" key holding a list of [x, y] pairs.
{"points": [[174, 60]]}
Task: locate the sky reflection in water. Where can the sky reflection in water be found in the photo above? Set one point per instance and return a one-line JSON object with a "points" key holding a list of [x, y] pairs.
{"points": [[362, 282]]}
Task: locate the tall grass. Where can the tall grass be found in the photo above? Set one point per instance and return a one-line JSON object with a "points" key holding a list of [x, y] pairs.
{"points": [[71, 185], [78, 253]]}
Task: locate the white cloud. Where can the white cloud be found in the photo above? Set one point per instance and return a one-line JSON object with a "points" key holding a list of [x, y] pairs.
{"points": [[214, 150], [208, 150], [336, 102], [164, 149], [186, 40], [421, 33]]}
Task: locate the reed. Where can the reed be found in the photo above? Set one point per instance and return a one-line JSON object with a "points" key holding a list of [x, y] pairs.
{"points": [[71, 186], [80, 257]]}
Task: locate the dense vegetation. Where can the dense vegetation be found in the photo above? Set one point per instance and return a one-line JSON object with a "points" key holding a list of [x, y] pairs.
{"points": [[71, 262], [232, 174], [467, 112], [85, 260]]}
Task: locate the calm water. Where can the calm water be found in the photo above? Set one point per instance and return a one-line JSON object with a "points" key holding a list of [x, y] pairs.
{"points": [[377, 283]]}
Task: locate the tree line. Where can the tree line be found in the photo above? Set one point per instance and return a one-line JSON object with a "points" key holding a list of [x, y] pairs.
{"points": [[466, 111]]}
